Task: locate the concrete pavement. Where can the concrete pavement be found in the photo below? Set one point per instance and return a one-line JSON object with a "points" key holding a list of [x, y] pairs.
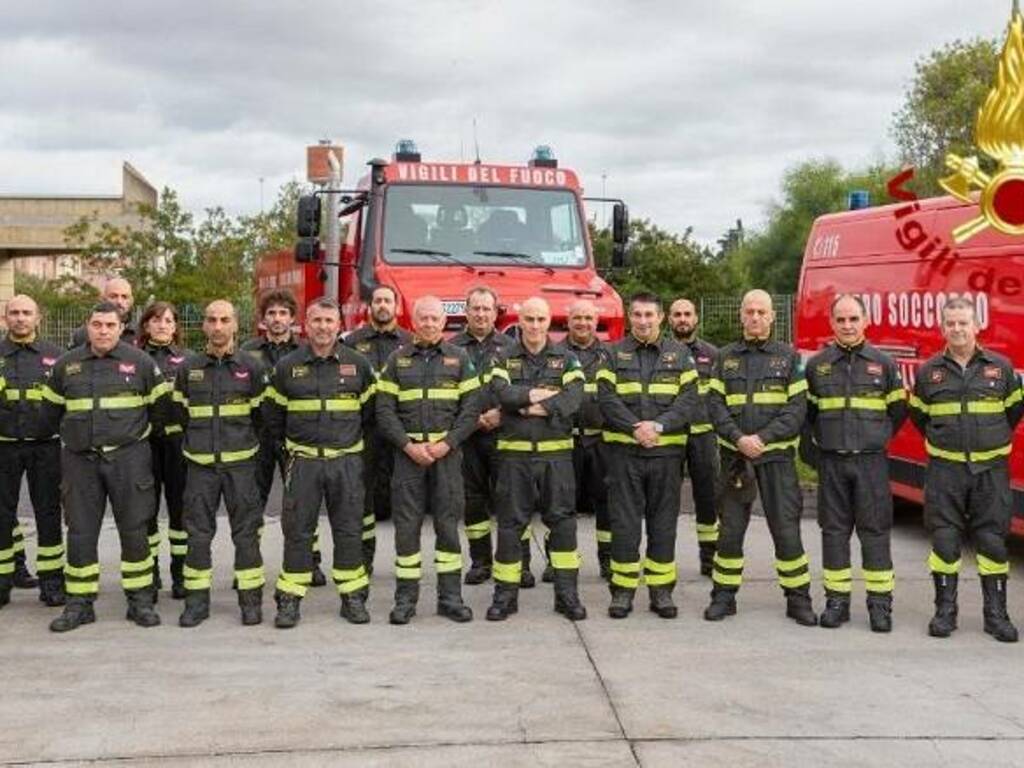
{"points": [[755, 690]]}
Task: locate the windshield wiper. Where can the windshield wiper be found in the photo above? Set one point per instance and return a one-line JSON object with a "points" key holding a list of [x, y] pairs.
{"points": [[523, 257], [438, 254]]}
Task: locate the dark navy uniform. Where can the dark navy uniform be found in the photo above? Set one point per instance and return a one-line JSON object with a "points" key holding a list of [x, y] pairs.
{"points": [[702, 460]]}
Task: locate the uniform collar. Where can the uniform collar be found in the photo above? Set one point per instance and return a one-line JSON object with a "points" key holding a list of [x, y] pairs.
{"points": [[309, 356], [9, 345], [980, 353]]}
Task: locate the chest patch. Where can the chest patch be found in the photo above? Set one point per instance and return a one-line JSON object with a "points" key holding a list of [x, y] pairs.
{"points": [[450, 362], [346, 369], [556, 363], [300, 371], [49, 361], [938, 376], [823, 369], [874, 369], [196, 374], [241, 375], [731, 364], [703, 359], [992, 372], [72, 369], [515, 363], [669, 358], [127, 368], [176, 359], [778, 364], [363, 346], [404, 362], [625, 356]]}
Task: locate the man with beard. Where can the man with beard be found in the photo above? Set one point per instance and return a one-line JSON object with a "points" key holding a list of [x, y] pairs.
{"points": [[116, 291], [701, 457], [376, 341]]}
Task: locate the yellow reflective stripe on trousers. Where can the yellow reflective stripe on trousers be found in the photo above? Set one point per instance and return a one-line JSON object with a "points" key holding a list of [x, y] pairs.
{"points": [[294, 583], [879, 581], [314, 452], [619, 437], [197, 578], [138, 574], [409, 566], [543, 446], [975, 456], [250, 578], [659, 574], [478, 530], [226, 457], [707, 532], [937, 565], [566, 561], [447, 562], [603, 537], [349, 580], [838, 580], [427, 437], [988, 567], [626, 574], [509, 573]]}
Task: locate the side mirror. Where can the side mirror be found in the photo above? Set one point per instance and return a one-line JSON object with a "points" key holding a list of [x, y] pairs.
{"points": [[308, 219], [620, 224], [307, 250]]}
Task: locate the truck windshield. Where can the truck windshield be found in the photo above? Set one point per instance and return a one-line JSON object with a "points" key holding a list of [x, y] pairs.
{"points": [[483, 225]]}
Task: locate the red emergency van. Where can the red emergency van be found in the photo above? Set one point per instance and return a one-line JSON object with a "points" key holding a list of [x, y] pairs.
{"points": [[902, 261]]}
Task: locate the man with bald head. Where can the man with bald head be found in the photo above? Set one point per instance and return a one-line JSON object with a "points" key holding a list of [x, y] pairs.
{"points": [[539, 387], [116, 291], [427, 407], [701, 458], [28, 446], [757, 397], [856, 402], [218, 395]]}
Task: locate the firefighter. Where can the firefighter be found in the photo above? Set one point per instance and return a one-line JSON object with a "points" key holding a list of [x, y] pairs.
{"points": [[757, 399], [539, 387], [116, 291], [855, 403], [588, 455], [111, 395], [648, 396], [701, 458], [967, 402], [376, 341], [218, 395], [29, 446], [277, 309], [160, 338], [320, 399], [482, 343], [427, 406]]}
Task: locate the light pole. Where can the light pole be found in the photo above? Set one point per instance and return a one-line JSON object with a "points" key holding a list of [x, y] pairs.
{"points": [[261, 195], [604, 205]]}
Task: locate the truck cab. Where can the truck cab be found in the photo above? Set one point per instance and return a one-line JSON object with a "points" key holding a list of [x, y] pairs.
{"points": [[443, 228]]}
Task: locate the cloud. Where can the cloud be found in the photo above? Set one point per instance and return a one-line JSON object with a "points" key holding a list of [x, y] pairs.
{"points": [[690, 110]]}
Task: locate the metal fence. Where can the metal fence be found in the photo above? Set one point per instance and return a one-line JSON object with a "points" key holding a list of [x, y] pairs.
{"points": [[58, 324], [720, 318]]}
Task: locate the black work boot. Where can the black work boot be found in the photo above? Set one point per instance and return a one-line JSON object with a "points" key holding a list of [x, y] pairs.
{"points": [[799, 607], [449, 598], [158, 582], [567, 596], [480, 561], [288, 614], [723, 603], [622, 602], [407, 594], [661, 602], [77, 611], [140, 607], [944, 621], [707, 557], [23, 578], [353, 607], [51, 589], [505, 603], [837, 610], [178, 591], [879, 612], [526, 579], [250, 604], [5, 590], [997, 620], [197, 608]]}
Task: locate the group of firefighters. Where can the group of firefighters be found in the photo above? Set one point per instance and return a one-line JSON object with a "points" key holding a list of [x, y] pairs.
{"points": [[487, 426]]}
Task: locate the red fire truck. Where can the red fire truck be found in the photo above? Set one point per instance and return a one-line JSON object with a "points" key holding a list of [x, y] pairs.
{"points": [[442, 228], [902, 261]]}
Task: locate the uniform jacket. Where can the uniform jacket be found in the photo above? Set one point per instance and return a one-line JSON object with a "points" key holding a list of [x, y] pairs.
{"points": [[967, 415], [588, 421], [218, 403], [168, 357], [758, 387], [704, 355], [482, 355], [648, 382], [376, 345], [24, 368], [515, 372], [106, 402], [426, 394], [320, 405]]}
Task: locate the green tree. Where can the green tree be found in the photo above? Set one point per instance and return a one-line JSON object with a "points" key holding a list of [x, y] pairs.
{"points": [[940, 108]]}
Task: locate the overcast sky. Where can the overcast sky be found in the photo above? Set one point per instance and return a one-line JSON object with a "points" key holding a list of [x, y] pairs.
{"points": [[692, 109]]}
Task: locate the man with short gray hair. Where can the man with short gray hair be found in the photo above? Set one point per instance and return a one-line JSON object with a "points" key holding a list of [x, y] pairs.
{"points": [[967, 401]]}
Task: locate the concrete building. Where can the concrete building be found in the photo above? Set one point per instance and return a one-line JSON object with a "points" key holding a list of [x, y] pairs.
{"points": [[32, 228]]}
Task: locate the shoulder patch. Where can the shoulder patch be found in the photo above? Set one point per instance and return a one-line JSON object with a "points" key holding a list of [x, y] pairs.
{"points": [[300, 371], [196, 374]]}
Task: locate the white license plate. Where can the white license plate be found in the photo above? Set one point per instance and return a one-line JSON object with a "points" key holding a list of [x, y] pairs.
{"points": [[454, 306]]}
